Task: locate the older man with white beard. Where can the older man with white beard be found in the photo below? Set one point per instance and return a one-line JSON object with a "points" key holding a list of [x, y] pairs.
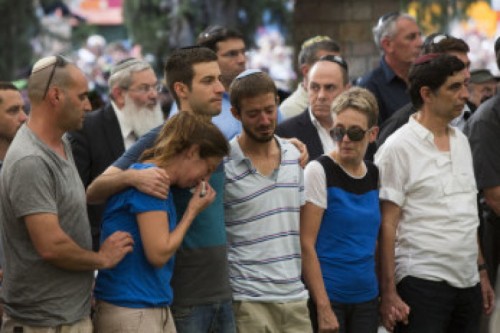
{"points": [[133, 111]]}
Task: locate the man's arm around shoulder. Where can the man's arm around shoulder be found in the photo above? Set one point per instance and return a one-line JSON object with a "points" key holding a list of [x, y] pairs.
{"points": [[56, 247]]}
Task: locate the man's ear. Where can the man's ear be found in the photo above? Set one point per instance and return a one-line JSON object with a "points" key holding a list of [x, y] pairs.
{"points": [[235, 113], [54, 95], [118, 95], [373, 134], [386, 44], [181, 90], [425, 93], [304, 69]]}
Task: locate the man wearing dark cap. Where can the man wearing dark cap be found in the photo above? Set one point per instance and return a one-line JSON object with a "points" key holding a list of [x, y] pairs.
{"points": [[133, 111], [482, 86]]}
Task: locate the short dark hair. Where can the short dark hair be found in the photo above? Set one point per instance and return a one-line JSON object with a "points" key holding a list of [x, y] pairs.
{"points": [[431, 71], [4, 85], [214, 34], [251, 85], [310, 47], [443, 43], [179, 66]]}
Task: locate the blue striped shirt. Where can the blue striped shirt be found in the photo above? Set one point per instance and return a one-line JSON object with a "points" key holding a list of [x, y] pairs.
{"points": [[262, 216]]}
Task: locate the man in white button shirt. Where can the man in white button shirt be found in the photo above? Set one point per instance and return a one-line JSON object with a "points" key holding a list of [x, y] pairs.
{"points": [[106, 133], [428, 242]]}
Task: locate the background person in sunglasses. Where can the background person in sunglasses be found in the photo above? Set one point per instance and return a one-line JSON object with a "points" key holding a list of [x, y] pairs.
{"points": [[326, 79], [398, 38], [432, 276], [340, 222], [49, 262]]}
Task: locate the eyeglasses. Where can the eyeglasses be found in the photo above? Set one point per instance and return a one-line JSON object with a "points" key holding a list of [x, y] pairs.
{"points": [[353, 133], [336, 59], [146, 88], [55, 61], [392, 16]]}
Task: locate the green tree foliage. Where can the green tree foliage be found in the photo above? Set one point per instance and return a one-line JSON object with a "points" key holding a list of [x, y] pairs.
{"points": [[17, 26]]}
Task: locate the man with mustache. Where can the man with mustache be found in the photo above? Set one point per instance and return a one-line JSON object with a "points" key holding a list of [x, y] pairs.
{"points": [[326, 79], [134, 109]]}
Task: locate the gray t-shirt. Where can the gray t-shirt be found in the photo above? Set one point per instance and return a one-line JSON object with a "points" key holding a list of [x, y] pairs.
{"points": [[34, 179]]}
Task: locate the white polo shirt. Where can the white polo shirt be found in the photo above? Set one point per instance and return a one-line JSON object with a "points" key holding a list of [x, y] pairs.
{"points": [[437, 233]]}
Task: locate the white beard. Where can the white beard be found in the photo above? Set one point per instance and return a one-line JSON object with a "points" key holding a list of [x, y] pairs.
{"points": [[141, 119]]}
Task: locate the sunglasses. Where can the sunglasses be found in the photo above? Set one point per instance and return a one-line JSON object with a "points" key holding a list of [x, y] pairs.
{"points": [[336, 59], [353, 133], [58, 61]]}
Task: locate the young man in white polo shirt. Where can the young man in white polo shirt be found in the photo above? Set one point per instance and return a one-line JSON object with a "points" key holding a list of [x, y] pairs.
{"points": [[428, 243], [263, 195]]}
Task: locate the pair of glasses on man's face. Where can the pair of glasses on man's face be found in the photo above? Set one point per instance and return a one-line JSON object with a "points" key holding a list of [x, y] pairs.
{"points": [[353, 133], [56, 61], [146, 88]]}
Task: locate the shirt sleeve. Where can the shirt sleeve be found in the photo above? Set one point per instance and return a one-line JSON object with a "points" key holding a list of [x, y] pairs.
{"points": [[393, 174], [315, 184], [484, 138], [140, 202], [133, 154], [31, 185]]}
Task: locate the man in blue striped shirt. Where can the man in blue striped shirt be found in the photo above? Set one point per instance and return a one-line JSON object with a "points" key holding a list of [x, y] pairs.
{"points": [[264, 192]]}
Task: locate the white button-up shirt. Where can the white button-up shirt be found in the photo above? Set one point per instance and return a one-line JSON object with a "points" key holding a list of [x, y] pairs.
{"points": [[324, 134], [437, 232]]}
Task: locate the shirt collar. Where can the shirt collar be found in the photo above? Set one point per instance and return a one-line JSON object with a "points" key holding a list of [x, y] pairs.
{"points": [[237, 154], [389, 74], [424, 133]]}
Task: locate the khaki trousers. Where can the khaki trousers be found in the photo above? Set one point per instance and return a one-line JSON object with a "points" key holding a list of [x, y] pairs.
{"points": [[264, 317], [109, 318]]}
